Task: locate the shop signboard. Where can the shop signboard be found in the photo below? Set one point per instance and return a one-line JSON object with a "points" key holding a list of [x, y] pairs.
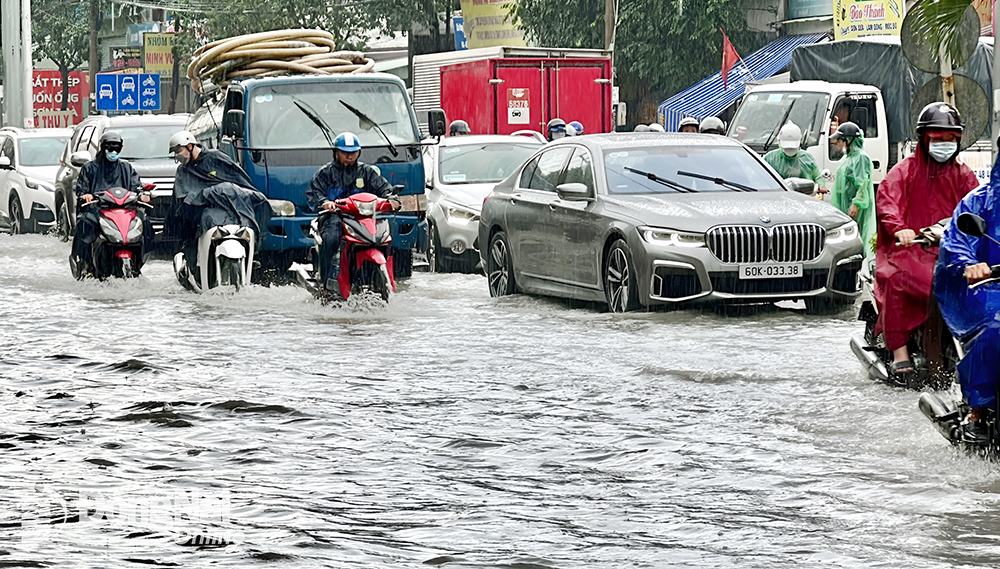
{"points": [[860, 18]]}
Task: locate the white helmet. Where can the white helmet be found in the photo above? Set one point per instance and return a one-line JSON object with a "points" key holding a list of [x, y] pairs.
{"points": [[641, 128], [712, 125], [656, 127], [790, 138], [182, 138]]}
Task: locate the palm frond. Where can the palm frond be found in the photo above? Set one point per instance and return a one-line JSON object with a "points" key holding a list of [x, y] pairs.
{"points": [[938, 21]]}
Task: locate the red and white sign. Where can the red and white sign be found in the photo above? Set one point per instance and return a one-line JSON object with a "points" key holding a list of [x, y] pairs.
{"points": [[518, 111], [47, 95]]}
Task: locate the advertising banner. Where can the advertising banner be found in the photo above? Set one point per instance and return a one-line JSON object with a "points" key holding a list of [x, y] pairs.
{"points": [[458, 24], [134, 32], [47, 97], [860, 18], [158, 55], [487, 23], [798, 9], [126, 59]]}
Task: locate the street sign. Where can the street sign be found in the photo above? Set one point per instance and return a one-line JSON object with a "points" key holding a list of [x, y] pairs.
{"points": [[127, 92]]}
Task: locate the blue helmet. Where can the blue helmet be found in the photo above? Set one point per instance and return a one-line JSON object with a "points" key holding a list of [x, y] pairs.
{"points": [[347, 142], [577, 126]]}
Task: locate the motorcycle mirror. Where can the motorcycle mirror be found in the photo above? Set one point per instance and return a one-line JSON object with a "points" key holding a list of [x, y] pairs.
{"points": [[972, 224]]}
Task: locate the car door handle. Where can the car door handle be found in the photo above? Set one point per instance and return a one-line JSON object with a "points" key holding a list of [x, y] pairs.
{"points": [[553, 206]]}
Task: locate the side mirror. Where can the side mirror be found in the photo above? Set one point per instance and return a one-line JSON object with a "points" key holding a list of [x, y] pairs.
{"points": [[801, 185], [968, 223], [5, 163], [573, 192], [232, 123], [79, 158], [436, 123]]}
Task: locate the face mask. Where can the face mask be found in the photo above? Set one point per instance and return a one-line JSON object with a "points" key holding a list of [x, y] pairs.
{"points": [[112, 156], [790, 152], [557, 134], [942, 151], [181, 158]]}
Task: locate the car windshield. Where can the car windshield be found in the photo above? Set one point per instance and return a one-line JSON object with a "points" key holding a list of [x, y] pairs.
{"points": [[481, 163], [147, 142], [295, 115], [735, 165], [41, 151], [760, 118]]}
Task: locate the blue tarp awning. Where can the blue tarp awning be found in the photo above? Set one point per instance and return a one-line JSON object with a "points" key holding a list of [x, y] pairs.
{"points": [[707, 98]]}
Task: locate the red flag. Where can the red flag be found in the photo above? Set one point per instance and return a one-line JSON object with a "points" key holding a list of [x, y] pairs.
{"points": [[729, 59]]}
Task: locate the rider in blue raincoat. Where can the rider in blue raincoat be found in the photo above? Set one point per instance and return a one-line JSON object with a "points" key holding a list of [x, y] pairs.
{"points": [[973, 315]]}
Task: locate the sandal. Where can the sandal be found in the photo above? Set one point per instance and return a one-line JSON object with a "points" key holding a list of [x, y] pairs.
{"points": [[903, 367]]}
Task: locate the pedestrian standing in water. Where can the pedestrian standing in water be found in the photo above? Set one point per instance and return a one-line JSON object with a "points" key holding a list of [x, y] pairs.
{"points": [[789, 161], [853, 191]]}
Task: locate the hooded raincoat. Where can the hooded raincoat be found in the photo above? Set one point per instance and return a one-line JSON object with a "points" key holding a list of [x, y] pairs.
{"points": [[802, 165], [96, 177], [973, 315], [853, 186], [917, 192]]}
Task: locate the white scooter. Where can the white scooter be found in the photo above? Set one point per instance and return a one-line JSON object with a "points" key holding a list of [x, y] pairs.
{"points": [[225, 258]]}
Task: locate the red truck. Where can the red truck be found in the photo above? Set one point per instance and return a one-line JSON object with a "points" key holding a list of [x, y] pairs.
{"points": [[501, 90]]}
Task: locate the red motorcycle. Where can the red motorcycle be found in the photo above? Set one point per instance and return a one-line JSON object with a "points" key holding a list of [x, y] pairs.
{"points": [[118, 249], [365, 249]]}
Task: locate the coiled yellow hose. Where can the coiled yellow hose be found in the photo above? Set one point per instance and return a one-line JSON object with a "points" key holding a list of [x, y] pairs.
{"points": [[278, 52]]}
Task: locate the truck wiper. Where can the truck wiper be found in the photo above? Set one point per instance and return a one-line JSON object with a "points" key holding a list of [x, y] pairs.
{"points": [[669, 183], [780, 124], [364, 119], [719, 181], [317, 120]]}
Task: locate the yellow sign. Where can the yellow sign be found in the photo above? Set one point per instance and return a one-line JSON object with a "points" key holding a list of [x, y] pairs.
{"points": [[488, 23], [157, 54], [860, 18]]}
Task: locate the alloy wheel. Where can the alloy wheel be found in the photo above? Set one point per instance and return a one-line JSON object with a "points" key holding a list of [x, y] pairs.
{"points": [[16, 217], [618, 280], [499, 274]]}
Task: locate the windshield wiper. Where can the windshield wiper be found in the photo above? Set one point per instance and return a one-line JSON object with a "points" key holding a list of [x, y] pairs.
{"points": [[719, 181], [364, 119], [317, 120], [669, 183], [780, 124]]}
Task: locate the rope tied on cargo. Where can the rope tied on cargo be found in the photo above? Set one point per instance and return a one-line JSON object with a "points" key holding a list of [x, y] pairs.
{"points": [[266, 54]]}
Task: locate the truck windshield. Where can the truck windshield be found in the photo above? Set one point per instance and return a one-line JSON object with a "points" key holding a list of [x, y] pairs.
{"points": [[277, 119], [629, 170], [148, 142], [758, 118], [482, 163]]}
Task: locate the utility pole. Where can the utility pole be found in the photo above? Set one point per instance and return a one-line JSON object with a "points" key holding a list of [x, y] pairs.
{"points": [[995, 119], [15, 19], [94, 61], [610, 15]]}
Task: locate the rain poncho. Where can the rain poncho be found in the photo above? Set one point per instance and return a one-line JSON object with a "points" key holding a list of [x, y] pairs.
{"points": [[802, 165], [854, 186], [96, 177], [917, 192], [972, 315]]}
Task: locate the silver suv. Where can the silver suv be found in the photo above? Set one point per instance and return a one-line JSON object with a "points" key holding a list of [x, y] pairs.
{"points": [[29, 159]]}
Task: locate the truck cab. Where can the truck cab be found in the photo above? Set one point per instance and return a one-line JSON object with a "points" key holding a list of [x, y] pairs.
{"points": [[817, 107], [281, 130]]}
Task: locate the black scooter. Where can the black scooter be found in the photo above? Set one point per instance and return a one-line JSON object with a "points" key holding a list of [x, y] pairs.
{"points": [[870, 348], [948, 415]]}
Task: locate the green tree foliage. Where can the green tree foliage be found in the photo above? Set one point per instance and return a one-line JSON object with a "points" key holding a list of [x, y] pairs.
{"points": [[60, 31], [662, 46]]}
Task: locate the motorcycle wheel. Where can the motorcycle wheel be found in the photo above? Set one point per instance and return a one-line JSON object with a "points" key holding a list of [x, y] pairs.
{"points": [[381, 281], [234, 273], [126, 269], [62, 223]]}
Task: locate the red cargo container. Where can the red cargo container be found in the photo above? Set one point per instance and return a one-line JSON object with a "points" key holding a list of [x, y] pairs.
{"points": [[511, 89]]}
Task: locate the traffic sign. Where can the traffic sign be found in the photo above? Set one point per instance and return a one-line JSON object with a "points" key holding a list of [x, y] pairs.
{"points": [[128, 92]]}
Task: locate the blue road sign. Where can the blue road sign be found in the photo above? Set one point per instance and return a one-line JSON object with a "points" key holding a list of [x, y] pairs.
{"points": [[128, 92]]}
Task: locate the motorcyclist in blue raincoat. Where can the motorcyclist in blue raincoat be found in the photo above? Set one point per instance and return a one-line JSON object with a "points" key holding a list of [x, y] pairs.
{"points": [[973, 315], [344, 176]]}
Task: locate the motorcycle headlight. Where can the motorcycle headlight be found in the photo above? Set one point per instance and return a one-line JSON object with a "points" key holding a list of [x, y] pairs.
{"points": [[350, 230], [671, 237], [366, 209], [135, 230], [458, 215], [842, 234], [110, 231], [282, 208]]}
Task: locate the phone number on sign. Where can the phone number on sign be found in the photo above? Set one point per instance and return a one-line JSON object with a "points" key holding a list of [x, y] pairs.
{"points": [[790, 270]]}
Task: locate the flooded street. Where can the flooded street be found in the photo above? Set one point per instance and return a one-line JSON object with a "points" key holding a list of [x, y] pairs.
{"points": [[454, 430]]}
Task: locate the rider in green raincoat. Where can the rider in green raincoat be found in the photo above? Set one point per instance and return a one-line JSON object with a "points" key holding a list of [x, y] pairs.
{"points": [[853, 192], [789, 161]]}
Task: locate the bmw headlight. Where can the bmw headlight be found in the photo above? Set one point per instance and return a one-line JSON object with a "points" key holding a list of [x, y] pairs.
{"points": [[657, 236], [842, 234], [458, 215], [110, 231], [282, 208]]}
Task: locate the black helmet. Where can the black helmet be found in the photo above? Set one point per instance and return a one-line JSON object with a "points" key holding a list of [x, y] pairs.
{"points": [[111, 138], [556, 123], [939, 116], [555, 126], [459, 127], [846, 130]]}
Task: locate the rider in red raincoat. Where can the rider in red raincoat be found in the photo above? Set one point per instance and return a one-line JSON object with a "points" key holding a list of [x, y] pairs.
{"points": [[918, 192]]}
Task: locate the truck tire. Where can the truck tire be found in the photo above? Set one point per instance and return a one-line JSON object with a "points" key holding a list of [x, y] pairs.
{"points": [[402, 263]]}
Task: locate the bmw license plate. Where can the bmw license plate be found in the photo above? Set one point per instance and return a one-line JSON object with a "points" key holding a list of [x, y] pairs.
{"points": [[771, 271]]}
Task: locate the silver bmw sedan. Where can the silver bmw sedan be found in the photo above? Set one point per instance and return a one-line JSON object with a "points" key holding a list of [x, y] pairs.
{"points": [[639, 220]]}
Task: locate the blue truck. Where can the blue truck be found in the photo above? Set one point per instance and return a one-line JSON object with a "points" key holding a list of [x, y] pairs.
{"points": [[281, 130]]}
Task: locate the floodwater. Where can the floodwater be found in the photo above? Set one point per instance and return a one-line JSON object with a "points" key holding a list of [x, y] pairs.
{"points": [[138, 421]]}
